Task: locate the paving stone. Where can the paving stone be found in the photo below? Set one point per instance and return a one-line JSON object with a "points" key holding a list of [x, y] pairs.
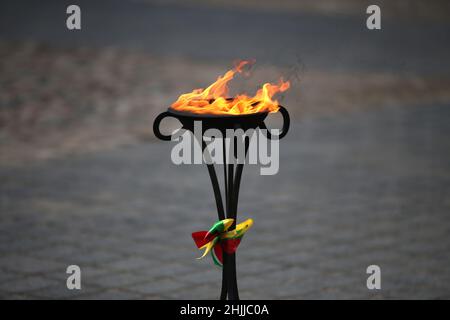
{"points": [[129, 263], [201, 292], [157, 287], [111, 295], [6, 276], [60, 291], [26, 284], [199, 277], [118, 280], [28, 265]]}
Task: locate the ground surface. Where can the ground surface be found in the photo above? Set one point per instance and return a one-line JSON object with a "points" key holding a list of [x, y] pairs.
{"points": [[334, 42], [355, 190]]}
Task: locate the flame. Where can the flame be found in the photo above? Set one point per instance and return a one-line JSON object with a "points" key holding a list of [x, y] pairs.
{"points": [[214, 99]]}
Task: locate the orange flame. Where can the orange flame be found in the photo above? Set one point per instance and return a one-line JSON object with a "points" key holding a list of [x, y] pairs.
{"points": [[214, 99]]}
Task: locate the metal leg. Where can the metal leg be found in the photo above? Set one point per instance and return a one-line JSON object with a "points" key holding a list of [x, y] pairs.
{"points": [[231, 258], [232, 182], [233, 287], [216, 188], [224, 291]]}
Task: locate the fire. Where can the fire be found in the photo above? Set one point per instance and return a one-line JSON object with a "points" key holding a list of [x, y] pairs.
{"points": [[214, 99]]}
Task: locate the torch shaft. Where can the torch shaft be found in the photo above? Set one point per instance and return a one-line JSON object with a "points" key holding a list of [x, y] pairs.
{"points": [[232, 180]]}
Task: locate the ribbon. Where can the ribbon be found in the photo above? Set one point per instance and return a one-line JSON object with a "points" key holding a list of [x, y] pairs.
{"points": [[219, 239]]}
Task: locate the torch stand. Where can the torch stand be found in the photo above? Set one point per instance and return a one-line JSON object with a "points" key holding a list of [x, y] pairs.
{"points": [[232, 181], [232, 172]]}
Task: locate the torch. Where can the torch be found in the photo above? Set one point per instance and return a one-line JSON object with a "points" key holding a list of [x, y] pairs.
{"points": [[214, 110]]}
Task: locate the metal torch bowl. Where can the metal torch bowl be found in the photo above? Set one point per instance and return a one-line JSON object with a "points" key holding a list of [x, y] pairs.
{"points": [[221, 122]]}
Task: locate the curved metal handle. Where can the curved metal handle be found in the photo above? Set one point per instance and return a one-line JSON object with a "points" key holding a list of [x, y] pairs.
{"points": [[286, 124], [156, 123]]}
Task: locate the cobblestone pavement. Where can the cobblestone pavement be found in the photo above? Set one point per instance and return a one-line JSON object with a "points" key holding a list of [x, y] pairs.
{"points": [[207, 32], [353, 190], [114, 94]]}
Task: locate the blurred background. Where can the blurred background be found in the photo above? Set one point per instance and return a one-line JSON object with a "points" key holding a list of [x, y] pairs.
{"points": [[364, 172]]}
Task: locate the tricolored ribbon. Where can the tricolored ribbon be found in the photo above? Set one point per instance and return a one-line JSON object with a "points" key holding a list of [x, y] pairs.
{"points": [[219, 239]]}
